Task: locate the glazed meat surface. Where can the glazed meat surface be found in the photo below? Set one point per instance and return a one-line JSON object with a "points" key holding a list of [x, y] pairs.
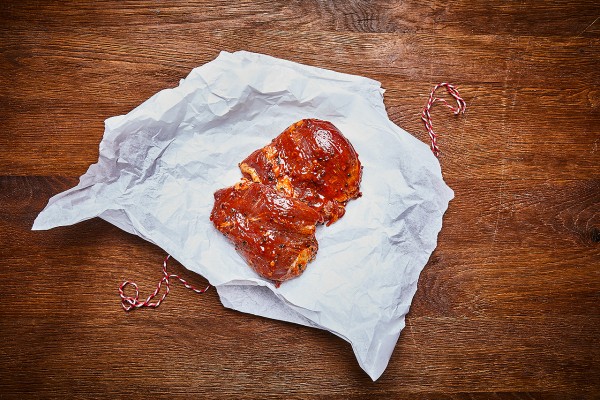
{"points": [[274, 233], [311, 161]]}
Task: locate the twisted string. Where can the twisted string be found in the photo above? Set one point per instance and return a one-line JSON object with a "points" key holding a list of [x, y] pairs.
{"points": [[460, 108], [132, 302]]}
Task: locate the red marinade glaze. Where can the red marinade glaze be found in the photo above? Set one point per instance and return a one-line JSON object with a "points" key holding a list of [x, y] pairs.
{"points": [[312, 161], [275, 234]]}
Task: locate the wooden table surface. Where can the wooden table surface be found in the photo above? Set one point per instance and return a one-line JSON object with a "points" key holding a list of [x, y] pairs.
{"points": [[508, 305]]}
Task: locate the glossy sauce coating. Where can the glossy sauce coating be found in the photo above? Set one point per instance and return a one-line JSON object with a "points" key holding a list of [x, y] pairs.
{"points": [[311, 161], [274, 233]]}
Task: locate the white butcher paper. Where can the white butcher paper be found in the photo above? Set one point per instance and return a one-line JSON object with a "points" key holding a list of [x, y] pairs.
{"points": [[160, 165]]}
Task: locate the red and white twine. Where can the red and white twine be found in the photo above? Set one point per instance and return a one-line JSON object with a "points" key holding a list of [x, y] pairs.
{"points": [[132, 302], [460, 108]]}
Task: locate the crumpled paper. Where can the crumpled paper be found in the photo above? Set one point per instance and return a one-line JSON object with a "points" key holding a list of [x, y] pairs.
{"points": [[160, 164]]}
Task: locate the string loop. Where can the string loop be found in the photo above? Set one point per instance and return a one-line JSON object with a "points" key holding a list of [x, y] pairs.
{"points": [[132, 302], [460, 108]]}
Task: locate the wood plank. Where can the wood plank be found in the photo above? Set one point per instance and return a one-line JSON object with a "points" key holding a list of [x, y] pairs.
{"points": [[468, 282], [433, 354], [524, 214], [501, 59], [62, 108], [543, 18], [567, 149]]}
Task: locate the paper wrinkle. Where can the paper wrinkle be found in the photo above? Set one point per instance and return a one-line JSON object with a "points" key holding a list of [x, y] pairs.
{"points": [[160, 164]]}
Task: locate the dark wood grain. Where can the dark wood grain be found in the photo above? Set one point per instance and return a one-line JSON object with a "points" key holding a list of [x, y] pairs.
{"points": [[508, 306], [557, 91], [573, 18]]}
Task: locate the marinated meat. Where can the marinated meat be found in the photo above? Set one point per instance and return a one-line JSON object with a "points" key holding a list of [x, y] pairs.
{"points": [[311, 161], [273, 232], [305, 176]]}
